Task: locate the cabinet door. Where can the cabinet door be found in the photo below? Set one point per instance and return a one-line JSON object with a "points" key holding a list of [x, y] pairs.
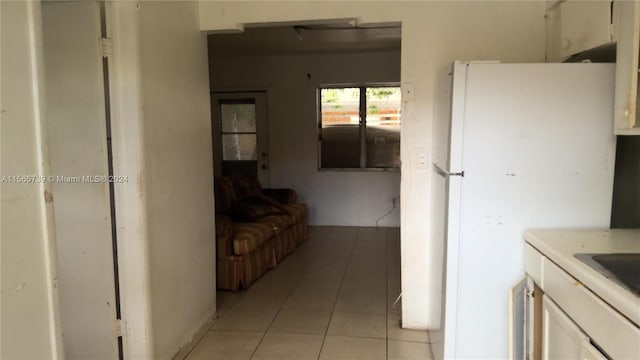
{"points": [[518, 303], [590, 352], [576, 26], [628, 29], [533, 320], [561, 337], [584, 25]]}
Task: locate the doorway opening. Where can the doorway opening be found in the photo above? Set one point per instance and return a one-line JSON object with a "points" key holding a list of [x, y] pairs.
{"points": [[283, 70]]}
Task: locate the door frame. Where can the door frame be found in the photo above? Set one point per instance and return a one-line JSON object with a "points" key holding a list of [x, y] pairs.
{"points": [[262, 130], [127, 128]]}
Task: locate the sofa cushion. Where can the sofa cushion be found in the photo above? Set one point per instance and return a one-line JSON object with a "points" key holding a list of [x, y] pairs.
{"points": [[257, 206], [297, 211], [248, 236], [277, 222], [283, 196], [245, 186]]}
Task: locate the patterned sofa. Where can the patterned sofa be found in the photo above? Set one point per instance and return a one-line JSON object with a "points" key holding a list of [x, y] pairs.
{"points": [[255, 229]]}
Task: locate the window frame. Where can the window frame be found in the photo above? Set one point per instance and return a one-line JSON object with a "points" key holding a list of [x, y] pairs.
{"points": [[221, 103], [362, 124]]}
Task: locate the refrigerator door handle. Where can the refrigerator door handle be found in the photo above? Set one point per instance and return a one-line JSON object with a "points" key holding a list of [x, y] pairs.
{"points": [[445, 173]]}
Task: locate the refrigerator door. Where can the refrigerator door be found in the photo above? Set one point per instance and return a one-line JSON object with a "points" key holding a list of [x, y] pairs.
{"points": [[536, 145], [447, 183]]}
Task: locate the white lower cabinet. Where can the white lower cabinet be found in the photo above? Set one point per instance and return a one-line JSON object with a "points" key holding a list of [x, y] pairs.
{"points": [[566, 320], [562, 338]]}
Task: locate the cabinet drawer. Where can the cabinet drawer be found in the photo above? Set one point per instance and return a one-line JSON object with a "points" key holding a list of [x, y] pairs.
{"points": [[606, 327]]}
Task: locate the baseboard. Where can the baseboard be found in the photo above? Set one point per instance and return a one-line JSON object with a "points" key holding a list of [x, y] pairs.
{"points": [[195, 335]]}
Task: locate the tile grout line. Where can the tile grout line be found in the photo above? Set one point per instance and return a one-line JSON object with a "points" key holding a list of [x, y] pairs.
{"points": [[285, 301], [344, 274], [227, 309], [213, 324], [349, 336], [310, 255]]}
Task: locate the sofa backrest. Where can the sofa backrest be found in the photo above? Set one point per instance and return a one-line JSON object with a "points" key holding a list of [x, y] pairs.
{"points": [[225, 195]]}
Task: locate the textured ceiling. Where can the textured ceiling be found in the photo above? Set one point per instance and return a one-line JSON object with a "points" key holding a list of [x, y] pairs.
{"points": [[303, 40]]}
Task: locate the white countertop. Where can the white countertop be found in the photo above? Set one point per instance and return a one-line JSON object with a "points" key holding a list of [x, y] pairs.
{"points": [[560, 246]]}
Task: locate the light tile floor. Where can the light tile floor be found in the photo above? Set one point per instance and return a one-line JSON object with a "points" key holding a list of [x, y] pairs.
{"points": [[333, 298]]}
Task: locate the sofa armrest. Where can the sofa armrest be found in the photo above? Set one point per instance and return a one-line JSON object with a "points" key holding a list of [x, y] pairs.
{"points": [[224, 236], [283, 196]]}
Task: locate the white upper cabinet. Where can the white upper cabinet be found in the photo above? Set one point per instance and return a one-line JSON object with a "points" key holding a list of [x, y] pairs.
{"points": [[627, 21], [574, 26]]}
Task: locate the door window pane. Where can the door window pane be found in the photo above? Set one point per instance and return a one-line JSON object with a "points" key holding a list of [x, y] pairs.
{"points": [[340, 119], [383, 127], [239, 147], [238, 117]]}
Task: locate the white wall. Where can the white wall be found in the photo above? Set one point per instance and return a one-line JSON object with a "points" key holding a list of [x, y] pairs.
{"points": [[178, 172], [351, 198], [30, 312], [433, 35]]}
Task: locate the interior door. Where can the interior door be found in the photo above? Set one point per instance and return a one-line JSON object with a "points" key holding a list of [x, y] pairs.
{"points": [[240, 135], [78, 149]]}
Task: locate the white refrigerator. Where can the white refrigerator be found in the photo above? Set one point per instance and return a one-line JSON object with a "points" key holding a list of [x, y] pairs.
{"points": [[529, 146]]}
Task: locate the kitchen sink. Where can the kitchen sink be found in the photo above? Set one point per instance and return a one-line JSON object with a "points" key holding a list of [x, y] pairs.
{"points": [[623, 269]]}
